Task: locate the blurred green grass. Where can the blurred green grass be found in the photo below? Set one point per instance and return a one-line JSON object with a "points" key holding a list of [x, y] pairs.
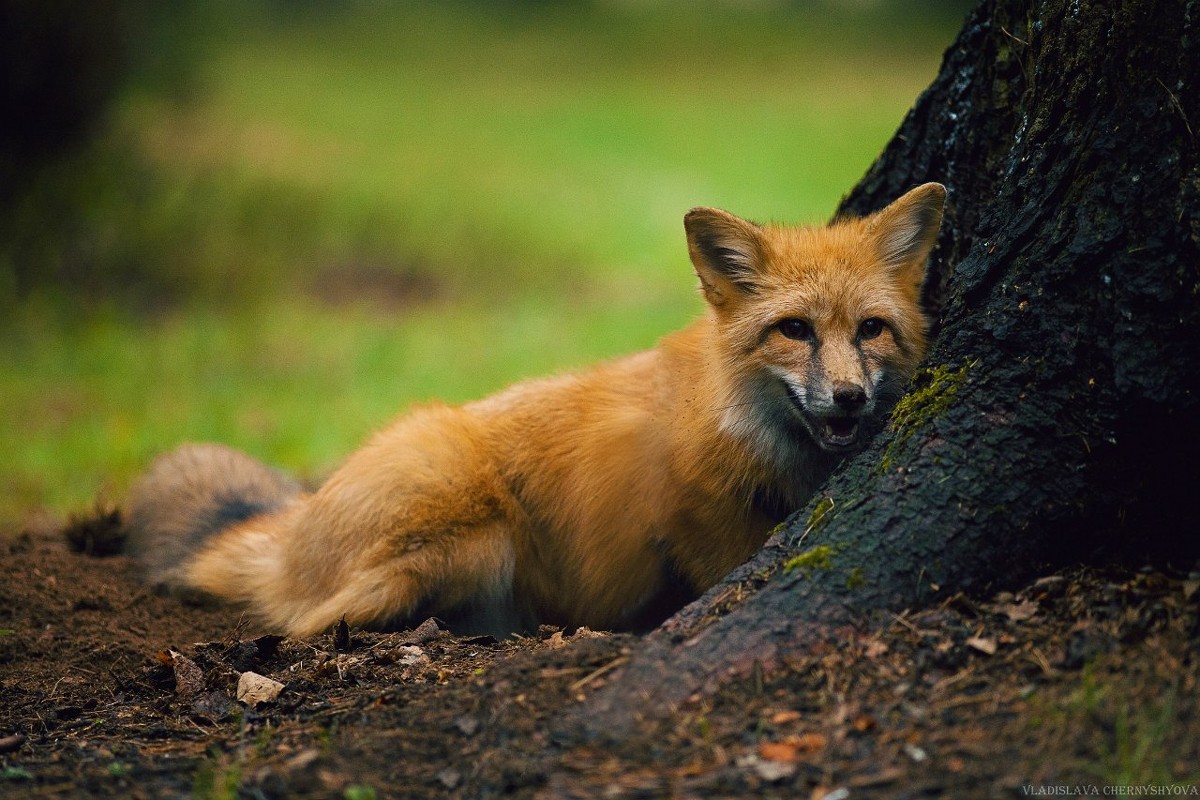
{"points": [[350, 211]]}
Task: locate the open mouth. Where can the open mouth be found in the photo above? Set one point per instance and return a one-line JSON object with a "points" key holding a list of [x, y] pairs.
{"points": [[839, 432], [832, 433]]}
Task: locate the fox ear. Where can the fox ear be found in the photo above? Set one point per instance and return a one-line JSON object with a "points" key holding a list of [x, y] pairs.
{"points": [[726, 251], [906, 231]]}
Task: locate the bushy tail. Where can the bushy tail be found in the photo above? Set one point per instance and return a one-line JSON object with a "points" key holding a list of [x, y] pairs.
{"points": [[189, 495]]}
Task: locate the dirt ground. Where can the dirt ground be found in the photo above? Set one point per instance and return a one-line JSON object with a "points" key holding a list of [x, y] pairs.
{"points": [[1084, 682]]}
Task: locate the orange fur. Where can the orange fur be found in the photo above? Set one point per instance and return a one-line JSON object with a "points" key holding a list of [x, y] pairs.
{"points": [[587, 498]]}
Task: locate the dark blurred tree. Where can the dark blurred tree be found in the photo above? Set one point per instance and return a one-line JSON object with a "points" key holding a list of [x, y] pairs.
{"points": [[61, 63], [1059, 418]]}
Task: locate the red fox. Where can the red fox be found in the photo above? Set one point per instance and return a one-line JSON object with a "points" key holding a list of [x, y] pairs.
{"points": [[604, 498]]}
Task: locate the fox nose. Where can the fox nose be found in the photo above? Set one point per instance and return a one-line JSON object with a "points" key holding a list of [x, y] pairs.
{"points": [[848, 396]]}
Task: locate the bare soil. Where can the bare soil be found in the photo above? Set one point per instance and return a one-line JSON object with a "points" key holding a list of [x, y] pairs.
{"points": [[1085, 681]]}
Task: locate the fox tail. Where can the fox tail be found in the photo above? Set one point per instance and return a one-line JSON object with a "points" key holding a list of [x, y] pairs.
{"points": [[191, 494]]}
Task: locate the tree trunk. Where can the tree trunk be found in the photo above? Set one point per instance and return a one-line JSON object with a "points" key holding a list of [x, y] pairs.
{"points": [[1057, 416]]}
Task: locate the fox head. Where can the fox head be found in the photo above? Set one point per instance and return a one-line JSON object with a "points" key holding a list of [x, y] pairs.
{"points": [[820, 329]]}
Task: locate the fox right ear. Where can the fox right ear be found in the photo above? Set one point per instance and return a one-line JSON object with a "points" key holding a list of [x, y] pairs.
{"points": [[726, 252], [907, 230]]}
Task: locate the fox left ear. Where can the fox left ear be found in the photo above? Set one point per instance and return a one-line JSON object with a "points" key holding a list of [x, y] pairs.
{"points": [[726, 252], [906, 231]]}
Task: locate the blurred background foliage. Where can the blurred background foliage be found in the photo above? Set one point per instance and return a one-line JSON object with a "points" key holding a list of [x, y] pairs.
{"points": [[277, 223]]}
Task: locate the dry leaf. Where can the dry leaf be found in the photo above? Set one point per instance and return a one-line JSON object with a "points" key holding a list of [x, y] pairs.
{"points": [[863, 723], [779, 751], [341, 636], [1019, 612], [983, 645], [808, 742], [189, 678], [826, 793], [876, 648], [790, 749], [584, 632], [784, 717]]}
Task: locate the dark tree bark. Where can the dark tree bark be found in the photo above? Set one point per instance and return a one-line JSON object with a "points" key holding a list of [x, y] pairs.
{"points": [[1057, 417]]}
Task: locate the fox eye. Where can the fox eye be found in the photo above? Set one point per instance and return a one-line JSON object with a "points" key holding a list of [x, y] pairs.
{"points": [[870, 328], [796, 329]]}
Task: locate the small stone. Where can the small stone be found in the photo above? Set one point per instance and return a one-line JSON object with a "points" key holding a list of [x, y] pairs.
{"points": [[427, 631], [411, 656], [770, 771], [254, 689], [469, 726], [775, 771]]}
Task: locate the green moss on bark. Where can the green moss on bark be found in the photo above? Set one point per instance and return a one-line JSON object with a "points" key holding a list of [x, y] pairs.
{"points": [[934, 391]]}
